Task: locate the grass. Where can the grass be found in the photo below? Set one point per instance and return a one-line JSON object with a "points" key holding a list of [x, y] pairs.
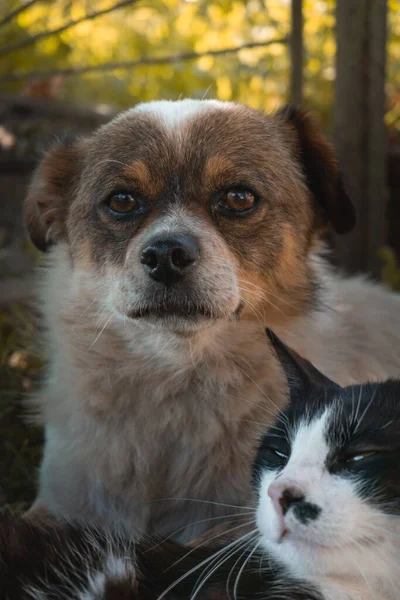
{"points": [[20, 442]]}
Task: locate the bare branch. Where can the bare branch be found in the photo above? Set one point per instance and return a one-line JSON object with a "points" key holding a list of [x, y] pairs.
{"points": [[44, 34], [131, 64], [297, 53], [14, 13]]}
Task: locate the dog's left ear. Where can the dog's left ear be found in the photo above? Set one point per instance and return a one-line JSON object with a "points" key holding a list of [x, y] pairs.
{"points": [[50, 192], [321, 169], [301, 375]]}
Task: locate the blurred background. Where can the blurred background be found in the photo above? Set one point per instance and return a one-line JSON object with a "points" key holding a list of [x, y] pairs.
{"points": [[67, 66]]}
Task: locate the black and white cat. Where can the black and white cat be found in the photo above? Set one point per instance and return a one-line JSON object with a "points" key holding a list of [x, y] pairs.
{"points": [[328, 480], [327, 477]]}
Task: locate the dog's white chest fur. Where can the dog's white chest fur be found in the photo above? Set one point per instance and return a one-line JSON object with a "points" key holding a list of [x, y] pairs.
{"points": [[137, 419]]}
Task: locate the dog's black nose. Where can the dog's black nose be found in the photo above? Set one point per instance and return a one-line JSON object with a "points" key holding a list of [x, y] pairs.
{"points": [[167, 260]]}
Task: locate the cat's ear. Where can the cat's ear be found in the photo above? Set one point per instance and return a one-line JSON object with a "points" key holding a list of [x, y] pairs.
{"points": [[300, 373]]}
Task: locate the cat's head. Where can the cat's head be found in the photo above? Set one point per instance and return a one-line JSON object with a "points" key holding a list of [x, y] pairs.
{"points": [[328, 474]]}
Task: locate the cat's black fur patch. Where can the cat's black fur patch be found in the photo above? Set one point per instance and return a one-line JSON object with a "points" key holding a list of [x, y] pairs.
{"points": [[306, 512]]}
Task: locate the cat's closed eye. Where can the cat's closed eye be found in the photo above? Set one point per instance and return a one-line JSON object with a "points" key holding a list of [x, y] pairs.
{"points": [[353, 462], [279, 453], [273, 456], [359, 457]]}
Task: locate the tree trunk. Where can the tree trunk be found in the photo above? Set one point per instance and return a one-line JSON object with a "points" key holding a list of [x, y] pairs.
{"points": [[297, 53], [360, 134]]}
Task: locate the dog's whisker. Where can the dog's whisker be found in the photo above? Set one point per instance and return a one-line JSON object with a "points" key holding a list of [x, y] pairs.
{"points": [[256, 312], [107, 322], [264, 299], [83, 313], [267, 292]]}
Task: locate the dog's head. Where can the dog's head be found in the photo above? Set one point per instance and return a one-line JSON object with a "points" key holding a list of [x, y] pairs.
{"points": [[190, 212]]}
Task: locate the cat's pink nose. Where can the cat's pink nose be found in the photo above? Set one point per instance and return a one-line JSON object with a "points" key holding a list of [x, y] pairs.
{"points": [[284, 495]]}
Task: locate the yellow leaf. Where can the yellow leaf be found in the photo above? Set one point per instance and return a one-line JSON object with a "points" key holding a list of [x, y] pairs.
{"points": [[206, 63], [224, 88], [49, 46]]}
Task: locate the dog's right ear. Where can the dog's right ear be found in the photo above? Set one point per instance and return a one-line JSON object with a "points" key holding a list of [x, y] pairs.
{"points": [[50, 192], [321, 170]]}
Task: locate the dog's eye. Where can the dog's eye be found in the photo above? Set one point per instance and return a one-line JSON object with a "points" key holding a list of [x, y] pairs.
{"points": [[238, 200], [122, 203]]}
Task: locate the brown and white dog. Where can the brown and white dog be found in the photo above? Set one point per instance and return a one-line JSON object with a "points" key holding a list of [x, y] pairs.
{"points": [[178, 232]]}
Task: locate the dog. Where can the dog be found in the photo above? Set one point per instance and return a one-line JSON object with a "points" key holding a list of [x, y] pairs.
{"points": [[174, 234]]}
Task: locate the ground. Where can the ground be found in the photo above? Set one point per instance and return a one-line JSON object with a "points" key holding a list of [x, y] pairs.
{"points": [[20, 442]]}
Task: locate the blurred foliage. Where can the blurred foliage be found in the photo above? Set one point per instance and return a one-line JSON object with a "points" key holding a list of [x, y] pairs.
{"points": [[258, 77], [390, 272]]}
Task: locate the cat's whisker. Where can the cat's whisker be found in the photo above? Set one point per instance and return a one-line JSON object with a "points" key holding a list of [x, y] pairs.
{"points": [[235, 516], [366, 409], [352, 419], [387, 424], [361, 571], [208, 572], [358, 406], [236, 585], [266, 396], [202, 563], [210, 539], [228, 579], [252, 402], [260, 564], [183, 499], [278, 415], [270, 433]]}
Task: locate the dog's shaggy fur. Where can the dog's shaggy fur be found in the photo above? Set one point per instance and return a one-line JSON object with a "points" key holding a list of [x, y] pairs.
{"points": [[156, 394]]}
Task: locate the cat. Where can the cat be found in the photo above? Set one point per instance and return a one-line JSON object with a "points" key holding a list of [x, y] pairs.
{"points": [[326, 522], [328, 482]]}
